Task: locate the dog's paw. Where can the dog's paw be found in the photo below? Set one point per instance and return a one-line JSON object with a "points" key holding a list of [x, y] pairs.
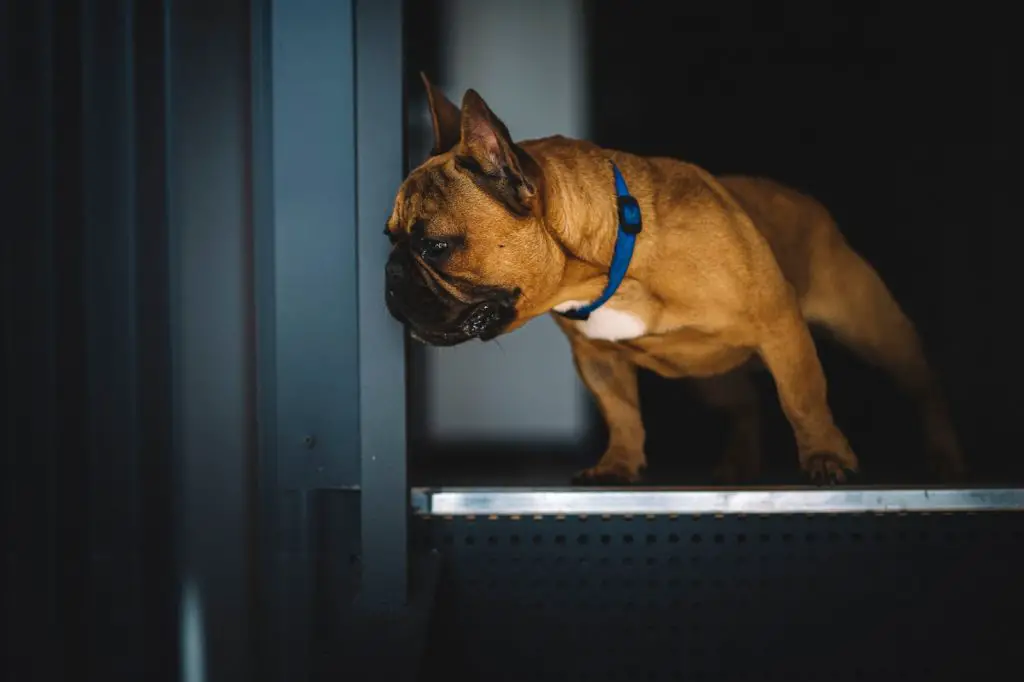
{"points": [[825, 468], [614, 474]]}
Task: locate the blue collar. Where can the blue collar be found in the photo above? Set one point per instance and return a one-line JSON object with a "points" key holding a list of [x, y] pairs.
{"points": [[630, 224]]}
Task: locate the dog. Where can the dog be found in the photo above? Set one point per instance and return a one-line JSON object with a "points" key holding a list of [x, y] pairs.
{"points": [[647, 262]]}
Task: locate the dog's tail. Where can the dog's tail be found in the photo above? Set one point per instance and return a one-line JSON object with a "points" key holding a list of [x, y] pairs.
{"points": [[849, 299]]}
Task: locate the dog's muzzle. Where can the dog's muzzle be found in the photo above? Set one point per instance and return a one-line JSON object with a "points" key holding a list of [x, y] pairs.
{"points": [[435, 317]]}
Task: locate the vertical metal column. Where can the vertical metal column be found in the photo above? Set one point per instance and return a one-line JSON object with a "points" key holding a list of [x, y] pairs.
{"points": [[151, 62], [379, 151], [212, 332], [314, 214], [117, 524], [387, 628], [304, 210], [271, 654]]}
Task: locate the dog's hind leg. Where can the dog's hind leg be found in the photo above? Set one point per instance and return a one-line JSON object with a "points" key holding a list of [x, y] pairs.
{"points": [[735, 394], [849, 299]]}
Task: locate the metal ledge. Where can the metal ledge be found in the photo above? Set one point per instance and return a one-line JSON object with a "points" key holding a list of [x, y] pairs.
{"points": [[620, 502]]}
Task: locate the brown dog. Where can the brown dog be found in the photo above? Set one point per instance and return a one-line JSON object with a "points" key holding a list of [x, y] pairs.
{"points": [[725, 272]]}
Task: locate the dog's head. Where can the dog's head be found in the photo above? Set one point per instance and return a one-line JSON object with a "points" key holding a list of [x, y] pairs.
{"points": [[471, 257]]}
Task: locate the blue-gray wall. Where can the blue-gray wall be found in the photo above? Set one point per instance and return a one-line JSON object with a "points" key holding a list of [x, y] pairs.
{"points": [[523, 388]]}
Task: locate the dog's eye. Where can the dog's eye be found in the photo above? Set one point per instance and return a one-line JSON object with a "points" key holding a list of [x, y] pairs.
{"points": [[434, 248]]}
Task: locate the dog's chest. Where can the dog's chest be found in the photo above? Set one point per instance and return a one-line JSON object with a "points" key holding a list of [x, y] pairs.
{"points": [[606, 323]]}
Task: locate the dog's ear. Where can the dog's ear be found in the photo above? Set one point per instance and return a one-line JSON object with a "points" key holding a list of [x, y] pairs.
{"points": [[444, 117], [487, 151], [484, 135]]}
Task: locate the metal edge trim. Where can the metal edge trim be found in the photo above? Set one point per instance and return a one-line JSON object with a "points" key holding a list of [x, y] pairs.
{"points": [[558, 502]]}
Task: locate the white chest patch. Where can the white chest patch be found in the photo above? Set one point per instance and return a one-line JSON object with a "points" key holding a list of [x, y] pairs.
{"points": [[607, 324]]}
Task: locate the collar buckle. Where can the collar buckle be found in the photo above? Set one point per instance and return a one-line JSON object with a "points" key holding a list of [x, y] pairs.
{"points": [[630, 221]]}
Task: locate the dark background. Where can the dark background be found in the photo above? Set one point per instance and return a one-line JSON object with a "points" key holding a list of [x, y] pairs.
{"points": [[899, 121]]}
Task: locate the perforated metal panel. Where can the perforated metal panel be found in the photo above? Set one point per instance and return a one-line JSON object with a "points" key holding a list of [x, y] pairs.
{"points": [[781, 597]]}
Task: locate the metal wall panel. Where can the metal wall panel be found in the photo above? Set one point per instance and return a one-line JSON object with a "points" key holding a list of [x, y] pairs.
{"points": [[328, 149], [312, 121], [87, 358], [380, 152], [306, 294], [212, 334], [726, 597]]}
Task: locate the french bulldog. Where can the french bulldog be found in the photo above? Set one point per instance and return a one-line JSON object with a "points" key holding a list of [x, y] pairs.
{"points": [[647, 262]]}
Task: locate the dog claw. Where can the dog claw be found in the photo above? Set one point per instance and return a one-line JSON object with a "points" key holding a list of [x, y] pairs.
{"points": [[825, 469]]}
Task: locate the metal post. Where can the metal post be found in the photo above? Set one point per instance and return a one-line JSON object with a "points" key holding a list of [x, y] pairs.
{"points": [[379, 153], [151, 59], [272, 655], [304, 210], [386, 630], [212, 332], [110, 296], [314, 197]]}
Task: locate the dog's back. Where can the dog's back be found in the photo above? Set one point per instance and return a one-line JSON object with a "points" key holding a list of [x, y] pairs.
{"points": [[801, 232]]}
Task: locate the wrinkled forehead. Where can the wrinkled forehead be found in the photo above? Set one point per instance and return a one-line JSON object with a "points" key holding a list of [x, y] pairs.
{"points": [[426, 192]]}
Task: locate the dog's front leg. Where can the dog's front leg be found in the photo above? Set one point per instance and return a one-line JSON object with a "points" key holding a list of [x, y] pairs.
{"points": [[612, 380], [787, 348]]}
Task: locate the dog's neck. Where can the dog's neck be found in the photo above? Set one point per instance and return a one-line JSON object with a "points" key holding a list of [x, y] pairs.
{"points": [[578, 192]]}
